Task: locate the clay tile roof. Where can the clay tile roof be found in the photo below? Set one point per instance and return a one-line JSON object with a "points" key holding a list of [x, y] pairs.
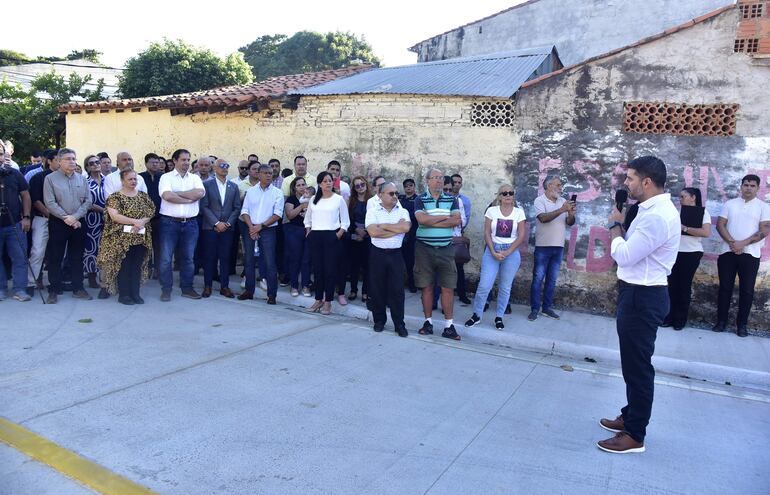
{"points": [[226, 96], [643, 41]]}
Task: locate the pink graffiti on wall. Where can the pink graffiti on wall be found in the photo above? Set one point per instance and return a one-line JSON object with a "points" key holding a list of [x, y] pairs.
{"points": [[597, 258]]}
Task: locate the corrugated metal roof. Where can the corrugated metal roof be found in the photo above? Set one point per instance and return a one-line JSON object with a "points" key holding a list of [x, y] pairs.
{"points": [[496, 74]]}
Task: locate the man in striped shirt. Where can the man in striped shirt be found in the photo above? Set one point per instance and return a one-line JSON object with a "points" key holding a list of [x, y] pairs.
{"points": [[437, 214]]}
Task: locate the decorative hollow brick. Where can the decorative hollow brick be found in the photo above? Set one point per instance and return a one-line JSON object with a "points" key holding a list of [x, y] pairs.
{"points": [[680, 119], [492, 114]]}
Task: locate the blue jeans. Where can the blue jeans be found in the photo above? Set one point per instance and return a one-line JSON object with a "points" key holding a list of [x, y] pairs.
{"points": [[268, 238], [490, 267], [181, 235], [546, 266], [297, 255], [13, 240]]}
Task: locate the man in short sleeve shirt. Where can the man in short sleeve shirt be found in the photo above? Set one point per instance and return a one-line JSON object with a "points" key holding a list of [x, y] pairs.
{"points": [[743, 225]]}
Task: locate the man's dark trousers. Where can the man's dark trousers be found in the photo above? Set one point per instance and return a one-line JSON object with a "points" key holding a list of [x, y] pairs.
{"points": [[746, 267], [217, 250], [63, 238], [640, 311], [386, 285]]}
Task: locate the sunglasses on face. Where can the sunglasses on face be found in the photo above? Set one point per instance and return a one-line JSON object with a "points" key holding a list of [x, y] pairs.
{"points": [[224, 165], [360, 185], [92, 163], [243, 168], [506, 193], [392, 193]]}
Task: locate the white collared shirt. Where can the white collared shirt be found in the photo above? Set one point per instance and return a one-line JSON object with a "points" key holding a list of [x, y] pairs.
{"points": [[647, 254], [328, 214], [222, 186], [113, 184], [379, 215], [174, 182], [260, 204], [743, 219]]}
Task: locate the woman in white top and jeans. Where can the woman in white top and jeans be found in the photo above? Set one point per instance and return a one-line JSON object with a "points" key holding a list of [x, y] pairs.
{"points": [[326, 221], [687, 261], [504, 227]]}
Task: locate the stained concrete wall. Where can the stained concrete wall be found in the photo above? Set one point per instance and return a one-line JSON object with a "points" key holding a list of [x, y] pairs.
{"points": [[580, 29], [572, 124]]}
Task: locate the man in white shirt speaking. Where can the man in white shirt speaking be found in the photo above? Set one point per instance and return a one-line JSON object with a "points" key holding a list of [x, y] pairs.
{"points": [[645, 258], [387, 223]]}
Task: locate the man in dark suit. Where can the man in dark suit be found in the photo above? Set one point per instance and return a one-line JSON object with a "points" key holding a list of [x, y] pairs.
{"points": [[220, 208]]}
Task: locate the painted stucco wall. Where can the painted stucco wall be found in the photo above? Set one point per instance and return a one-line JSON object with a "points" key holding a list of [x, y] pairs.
{"points": [[580, 29], [397, 136], [572, 124]]}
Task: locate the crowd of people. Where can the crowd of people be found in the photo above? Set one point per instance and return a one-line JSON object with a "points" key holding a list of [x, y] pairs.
{"points": [[325, 236]]}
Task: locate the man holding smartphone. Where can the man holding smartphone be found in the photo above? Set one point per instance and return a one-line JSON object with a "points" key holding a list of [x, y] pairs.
{"points": [[553, 214]]}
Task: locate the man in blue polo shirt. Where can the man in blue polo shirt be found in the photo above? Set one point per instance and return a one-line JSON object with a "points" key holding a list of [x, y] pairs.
{"points": [[437, 213]]}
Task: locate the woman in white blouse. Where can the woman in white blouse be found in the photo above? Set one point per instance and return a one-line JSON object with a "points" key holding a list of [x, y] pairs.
{"points": [[326, 221], [687, 261], [504, 227]]}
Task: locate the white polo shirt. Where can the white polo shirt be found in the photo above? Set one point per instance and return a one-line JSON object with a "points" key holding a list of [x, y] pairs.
{"points": [[112, 183], [743, 218], [174, 182], [379, 215]]}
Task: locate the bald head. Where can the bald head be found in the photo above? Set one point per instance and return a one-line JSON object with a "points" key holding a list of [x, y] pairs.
{"points": [[124, 161]]}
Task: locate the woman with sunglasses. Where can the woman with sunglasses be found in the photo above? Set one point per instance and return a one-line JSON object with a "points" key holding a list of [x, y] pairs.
{"points": [[359, 238], [297, 245], [504, 226], [94, 218], [326, 222]]}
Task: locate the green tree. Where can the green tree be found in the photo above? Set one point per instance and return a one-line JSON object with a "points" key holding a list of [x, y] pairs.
{"points": [[30, 118], [305, 51], [10, 57], [87, 54], [175, 67]]}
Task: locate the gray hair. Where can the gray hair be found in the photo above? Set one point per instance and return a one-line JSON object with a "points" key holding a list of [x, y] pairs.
{"points": [[548, 179], [427, 174], [65, 151], [382, 187], [265, 166]]}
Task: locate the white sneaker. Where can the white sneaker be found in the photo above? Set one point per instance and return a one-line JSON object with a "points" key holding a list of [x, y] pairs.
{"points": [[263, 284], [294, 293], [306, 292]]}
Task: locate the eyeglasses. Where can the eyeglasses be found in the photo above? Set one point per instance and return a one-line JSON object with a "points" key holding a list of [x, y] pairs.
{"points": [[392, 193], [92, 162], [224, 165], [506, 193], [360, 185], [447, 189]]}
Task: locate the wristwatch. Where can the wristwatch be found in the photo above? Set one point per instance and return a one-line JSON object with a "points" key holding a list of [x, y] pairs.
{"points": [[26, 217], [685, 228], [616, 224]]}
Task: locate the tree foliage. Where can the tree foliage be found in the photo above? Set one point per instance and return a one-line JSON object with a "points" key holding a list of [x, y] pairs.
{"points": [[11, 57], [175, 67], [30, 118], [305, 51]]}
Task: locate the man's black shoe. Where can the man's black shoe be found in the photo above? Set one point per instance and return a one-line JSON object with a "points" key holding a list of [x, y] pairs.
{"points": [[379, 327], [465, 300], [450, 333], [103, 294], [719, 327], [271, 300], [427, 328], [402, 332], [138, 300], [742, 331], [472, 320], [126, 300], [666, 323]]}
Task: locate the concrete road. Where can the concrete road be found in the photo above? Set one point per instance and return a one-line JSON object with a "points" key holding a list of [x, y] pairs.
{"points": [[227, 397]]}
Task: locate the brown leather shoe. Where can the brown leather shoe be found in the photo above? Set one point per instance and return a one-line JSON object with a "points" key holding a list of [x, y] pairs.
{"points": [[270, 300], [81, 294], [52, 298], [227, 293], [246, 295], [614, 425], [191, 294], [206, 292], [621, 443]]}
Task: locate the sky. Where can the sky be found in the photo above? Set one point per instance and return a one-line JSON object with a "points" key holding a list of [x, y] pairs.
{"points": [[122, 29]]}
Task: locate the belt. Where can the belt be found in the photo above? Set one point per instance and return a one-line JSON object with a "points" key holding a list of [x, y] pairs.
{"points": [[178, 219], [386, 249], [623, 283], [433, 247]]}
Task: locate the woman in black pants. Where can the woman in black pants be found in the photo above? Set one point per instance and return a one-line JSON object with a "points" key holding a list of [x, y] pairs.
{"points": [[359, 238], [687, 261], [326, 222], [126, 244]]}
